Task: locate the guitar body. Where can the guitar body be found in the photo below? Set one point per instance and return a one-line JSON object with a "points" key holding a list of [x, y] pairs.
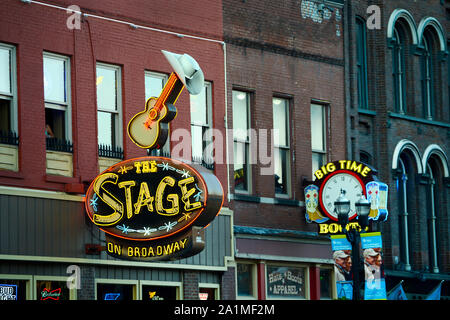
{"points": [[149, 129]]}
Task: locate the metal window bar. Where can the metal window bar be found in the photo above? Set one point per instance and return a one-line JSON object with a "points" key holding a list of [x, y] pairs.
{"points": [[110, 151], [55, 144], [9, 137]]}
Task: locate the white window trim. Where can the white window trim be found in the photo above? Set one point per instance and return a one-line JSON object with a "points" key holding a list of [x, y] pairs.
{"points": [[207, 137], [286, 147], [66, 106], [119, 112], [13, 94], [248, 144], [325, 116], [164, 77]]}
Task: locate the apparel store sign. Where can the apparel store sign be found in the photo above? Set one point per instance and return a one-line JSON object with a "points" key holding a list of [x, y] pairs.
{"points": [[355, 179], [153, 208], [285, 282]]}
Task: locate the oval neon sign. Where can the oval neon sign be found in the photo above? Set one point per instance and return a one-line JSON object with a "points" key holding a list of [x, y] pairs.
{"points": [[151, 198]]}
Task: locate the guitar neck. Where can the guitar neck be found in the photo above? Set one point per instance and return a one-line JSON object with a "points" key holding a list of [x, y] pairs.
{"points": [[171, 91]]}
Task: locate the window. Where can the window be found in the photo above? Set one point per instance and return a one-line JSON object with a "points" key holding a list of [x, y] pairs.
{"points": [[361, 63], [109, 111], [154, 83], [241, 138], [246, 280], [285, 282], [281, 145], [427, 64], [12, 289], [154, 292], [433, 221], [58, 128], [403, 190], [201, 122], [325, 284], [399, 70], [114, 291], [51, 290], [318, 137], [8, 95]]}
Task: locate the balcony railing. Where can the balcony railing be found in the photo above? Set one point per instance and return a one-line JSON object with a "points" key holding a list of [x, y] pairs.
{"points": [[110, 152], [55, 144], [9, 137]]}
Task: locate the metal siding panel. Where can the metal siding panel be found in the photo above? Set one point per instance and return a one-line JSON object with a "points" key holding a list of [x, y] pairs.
{"points": [[4, 224]]}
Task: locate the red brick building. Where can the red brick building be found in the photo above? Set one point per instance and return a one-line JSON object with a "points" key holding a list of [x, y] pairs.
{"points": [[399, 120], [285, 71], [70, 83]]}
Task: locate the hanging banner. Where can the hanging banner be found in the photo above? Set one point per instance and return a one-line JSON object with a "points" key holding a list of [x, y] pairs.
{"points": [[375, 285], [342, 253]]}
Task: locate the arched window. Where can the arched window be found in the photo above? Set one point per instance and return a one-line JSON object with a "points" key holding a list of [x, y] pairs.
{"points": [[361, 63], [398, 57], [428, 63], [433, 204], [404, 198], [432, 42]]}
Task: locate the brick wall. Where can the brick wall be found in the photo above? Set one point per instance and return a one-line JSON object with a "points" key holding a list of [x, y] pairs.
{"points": [[190, 285], [379, 133], [35, 28], [274, 50]]}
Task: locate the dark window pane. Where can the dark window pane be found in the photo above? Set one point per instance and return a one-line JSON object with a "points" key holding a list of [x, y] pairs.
{"points": [[52, 290], [55, 124], [5, 115], [281, 167], [240, 165], [244, 279], [111, 291], [325, 281], [159, 293]]}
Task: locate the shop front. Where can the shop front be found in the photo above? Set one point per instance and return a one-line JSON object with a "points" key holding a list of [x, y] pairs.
{"points": [[282, 264], [49, 250]]}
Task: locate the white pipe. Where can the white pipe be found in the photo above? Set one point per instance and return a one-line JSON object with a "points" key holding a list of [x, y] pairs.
{"points": [[135, 26]]}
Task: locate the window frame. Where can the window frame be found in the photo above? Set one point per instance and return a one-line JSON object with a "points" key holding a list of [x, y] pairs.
{"points": [[427, 64], [246, 142], [118, 134], [253, 279], [12, 95], [399, 68], [321, 152], [281, 264], [287, 147], [206, 127], [65, 106], [165, 149], [361, 64]]}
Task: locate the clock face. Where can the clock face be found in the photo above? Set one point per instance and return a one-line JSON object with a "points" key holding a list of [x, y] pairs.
{"points": [[331, 190]]}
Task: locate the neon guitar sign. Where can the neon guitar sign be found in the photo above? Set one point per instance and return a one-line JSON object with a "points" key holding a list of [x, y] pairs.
{"points": [[150, 128]]}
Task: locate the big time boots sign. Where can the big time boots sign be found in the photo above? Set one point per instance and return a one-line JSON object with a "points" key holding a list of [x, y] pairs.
{"points": [[154, 208], [354, 179]]}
